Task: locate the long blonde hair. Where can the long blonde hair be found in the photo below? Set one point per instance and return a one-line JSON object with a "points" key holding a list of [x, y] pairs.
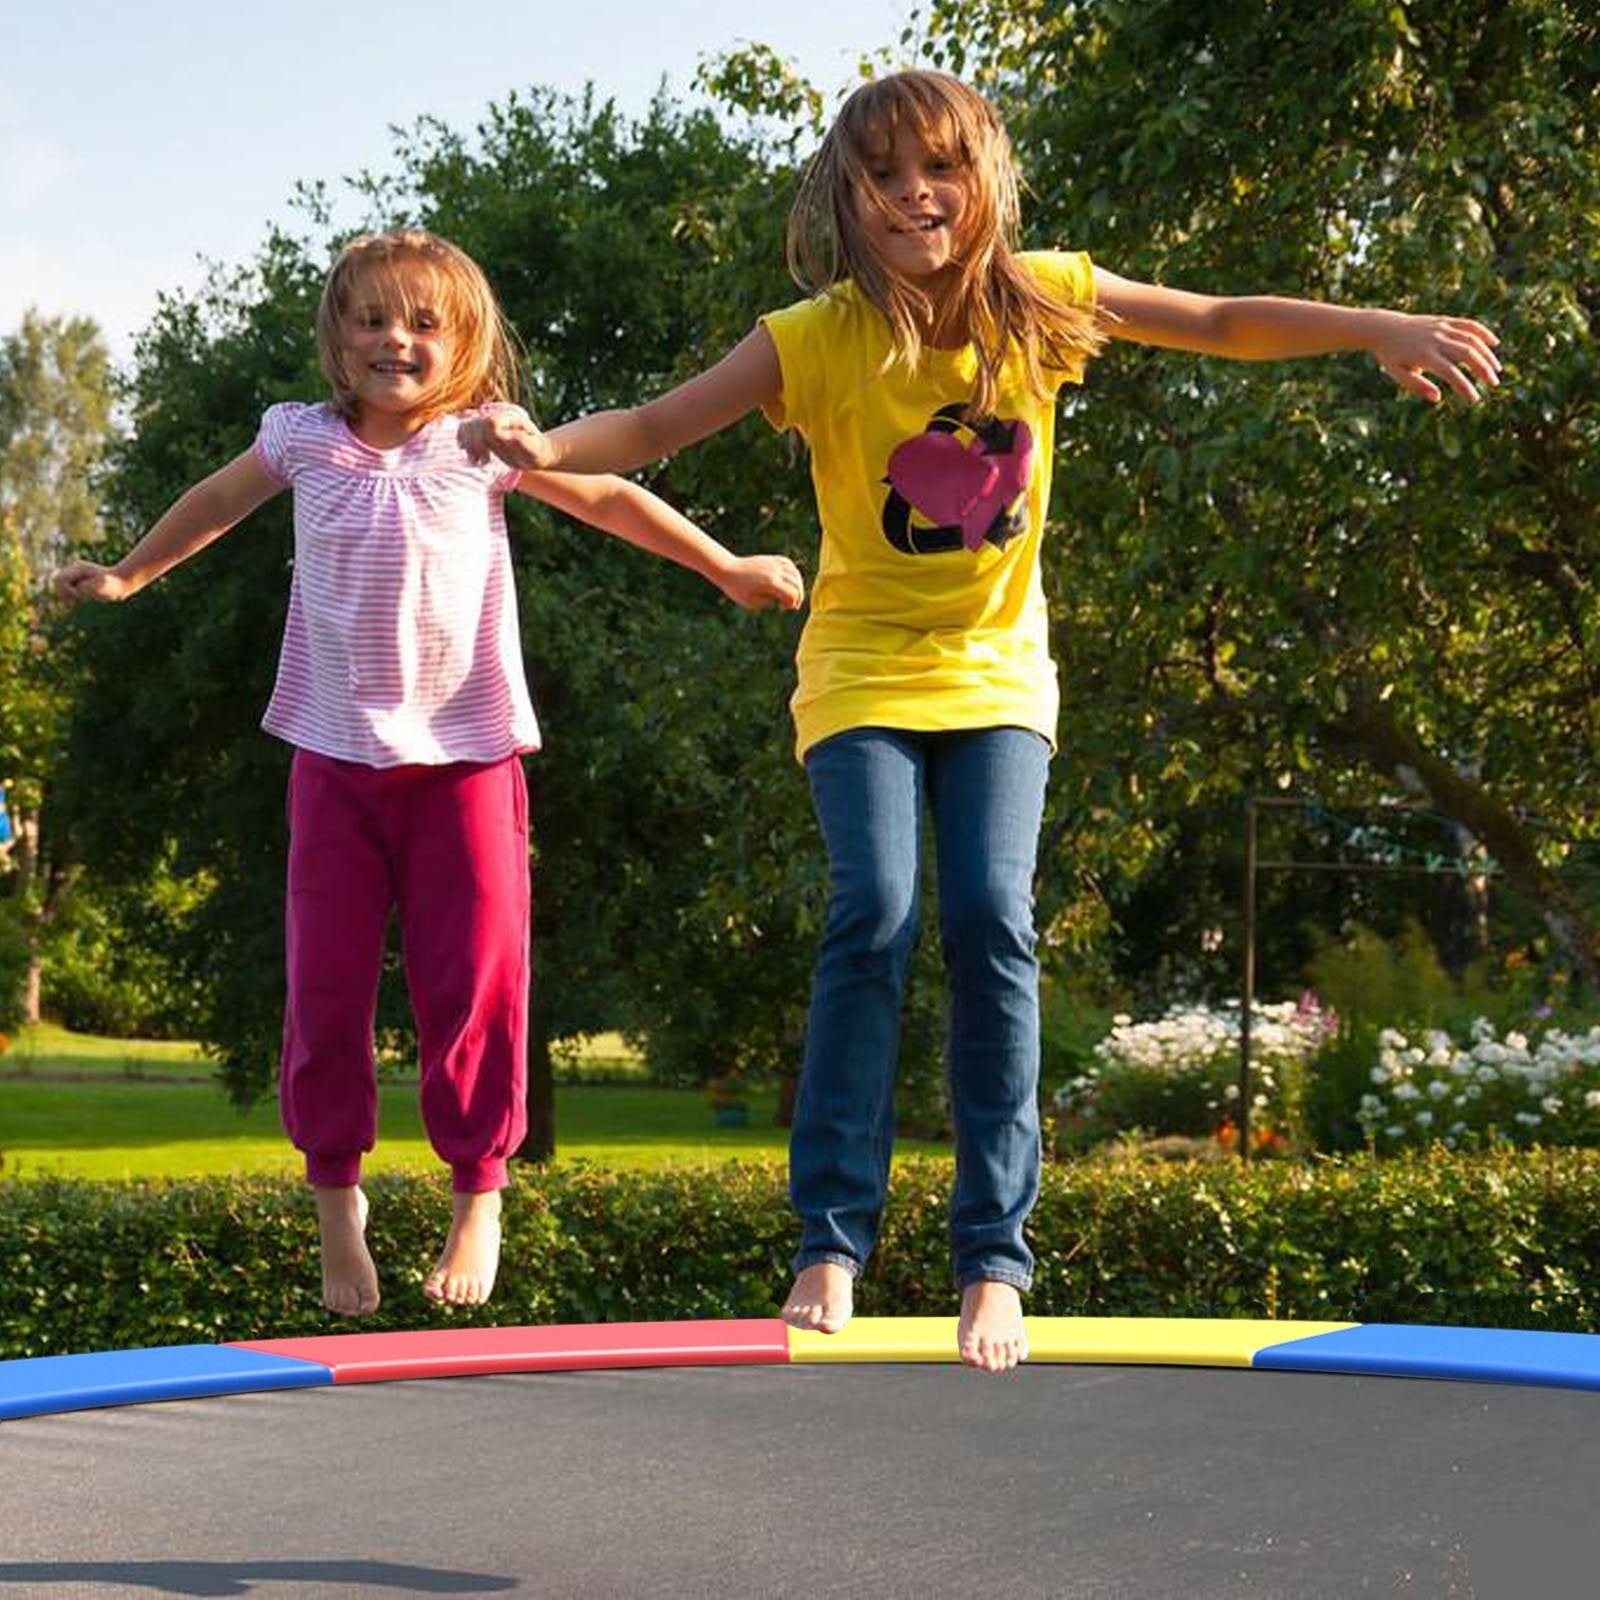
{"points": [[483, 349], [996, 302]]}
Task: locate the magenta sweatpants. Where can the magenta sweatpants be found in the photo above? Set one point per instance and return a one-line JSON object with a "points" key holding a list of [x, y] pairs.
{"points": [[447, 848]]}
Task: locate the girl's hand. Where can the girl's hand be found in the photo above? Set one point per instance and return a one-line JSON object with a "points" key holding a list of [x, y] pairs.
{"points": [[1455, 349], [88, 580], [756, 582], [507, 432]]}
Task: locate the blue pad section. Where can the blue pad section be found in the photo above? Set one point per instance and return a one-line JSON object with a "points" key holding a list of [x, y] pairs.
{"points": [[1484, 1355], [38, 1385]]}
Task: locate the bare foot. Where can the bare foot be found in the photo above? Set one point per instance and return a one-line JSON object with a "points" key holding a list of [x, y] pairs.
{"points": [[349, 1275], [465, 1272], [822, 1298], [990, 1334]]}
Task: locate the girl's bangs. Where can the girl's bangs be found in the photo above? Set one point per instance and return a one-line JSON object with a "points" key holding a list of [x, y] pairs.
{"points": [[401, 284], [904, 104]]}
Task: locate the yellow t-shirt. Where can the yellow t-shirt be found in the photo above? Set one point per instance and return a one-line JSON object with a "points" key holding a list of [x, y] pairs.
{"points": [[927, 611]]}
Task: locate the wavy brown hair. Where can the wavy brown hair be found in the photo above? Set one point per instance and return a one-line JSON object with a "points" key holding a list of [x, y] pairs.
{"points": [[403, 270], [996, 301]]}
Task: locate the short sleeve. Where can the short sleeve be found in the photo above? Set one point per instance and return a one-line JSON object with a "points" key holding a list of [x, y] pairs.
{"points": [[274, 444], [1067, 276], [793, 332]]}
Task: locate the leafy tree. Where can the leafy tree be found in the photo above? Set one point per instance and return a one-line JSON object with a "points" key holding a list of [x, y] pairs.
{"points": [[1294, 578], [170, 770], [55, 423], [55, 420], [665, 802], [1261, 578], [678, 879]]}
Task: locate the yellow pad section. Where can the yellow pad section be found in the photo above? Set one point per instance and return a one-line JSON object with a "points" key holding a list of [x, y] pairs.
{"points": [[1110, 1341]]}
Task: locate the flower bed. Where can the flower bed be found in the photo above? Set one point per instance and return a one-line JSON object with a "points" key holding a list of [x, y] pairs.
{"points": [[1179, 1073], [1492, 1090]]}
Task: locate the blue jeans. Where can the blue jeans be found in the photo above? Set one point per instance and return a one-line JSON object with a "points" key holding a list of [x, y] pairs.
{"points": [[985, 793]]}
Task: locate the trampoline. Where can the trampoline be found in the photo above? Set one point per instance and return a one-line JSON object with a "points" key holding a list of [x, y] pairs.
{"points": [[1127, 1458]]}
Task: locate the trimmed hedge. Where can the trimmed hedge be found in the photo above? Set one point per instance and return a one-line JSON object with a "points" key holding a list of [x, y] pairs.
{"points": [[1507, 1240]]}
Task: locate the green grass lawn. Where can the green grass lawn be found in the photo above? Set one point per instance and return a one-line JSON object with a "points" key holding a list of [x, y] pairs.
{"points": [[50, 1051], [76, 1106]]}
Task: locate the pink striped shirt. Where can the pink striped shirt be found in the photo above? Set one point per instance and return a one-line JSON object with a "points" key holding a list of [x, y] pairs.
{"points": [[401, 645]]}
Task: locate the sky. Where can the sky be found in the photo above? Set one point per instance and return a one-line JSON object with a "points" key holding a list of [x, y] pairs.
{"points": [[141, 139]]}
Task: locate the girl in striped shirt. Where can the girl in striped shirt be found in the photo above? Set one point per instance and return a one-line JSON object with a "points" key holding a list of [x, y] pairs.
{"points": [[400, 686]]}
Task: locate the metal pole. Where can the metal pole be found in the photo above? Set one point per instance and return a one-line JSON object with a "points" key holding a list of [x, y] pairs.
{"points": [[1247, 995]]}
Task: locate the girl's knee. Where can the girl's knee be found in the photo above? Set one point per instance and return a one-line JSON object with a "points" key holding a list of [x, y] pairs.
{"points": [[987, 918], [873, 917]]}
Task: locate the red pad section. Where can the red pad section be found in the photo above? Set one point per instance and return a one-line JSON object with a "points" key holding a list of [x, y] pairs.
{"points": [[463, 1352]]}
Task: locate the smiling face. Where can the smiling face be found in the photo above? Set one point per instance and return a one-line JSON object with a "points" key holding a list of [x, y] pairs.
{"points": [[395, 350], [912, 198], [407, 331], [911, 204], [911, 195]]}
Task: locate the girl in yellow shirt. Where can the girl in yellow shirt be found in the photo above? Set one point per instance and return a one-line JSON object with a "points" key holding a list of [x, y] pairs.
{"points": [[922, 374]]}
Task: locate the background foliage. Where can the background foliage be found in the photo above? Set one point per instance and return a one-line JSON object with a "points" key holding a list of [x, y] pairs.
{"points": [[1263, 580]]}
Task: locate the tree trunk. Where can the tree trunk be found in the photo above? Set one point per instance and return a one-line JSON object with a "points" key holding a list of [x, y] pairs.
{"points": [[32, 986], [788, 1089], [1459, 906], [34, 913], [540, 1141], [1396, 751]]}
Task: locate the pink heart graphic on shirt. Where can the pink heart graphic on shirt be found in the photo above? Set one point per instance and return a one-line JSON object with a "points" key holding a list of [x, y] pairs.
{"points": [[957, 485]]}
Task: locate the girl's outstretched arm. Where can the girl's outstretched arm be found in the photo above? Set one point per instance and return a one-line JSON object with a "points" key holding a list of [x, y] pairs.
{"points": [[1408, 347], [619, 441], [618, 507], [195, 519]]}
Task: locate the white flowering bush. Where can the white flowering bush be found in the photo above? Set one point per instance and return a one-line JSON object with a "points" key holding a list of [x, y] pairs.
{"points": [[1179, 1073], [1491, 1090]]}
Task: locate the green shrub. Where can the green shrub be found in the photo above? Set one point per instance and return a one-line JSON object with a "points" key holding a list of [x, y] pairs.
{"points": [[1393, 983], [1401, 983], [108, 966], [1072, 1021], [1340, 1074], [1491, 1240]]}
